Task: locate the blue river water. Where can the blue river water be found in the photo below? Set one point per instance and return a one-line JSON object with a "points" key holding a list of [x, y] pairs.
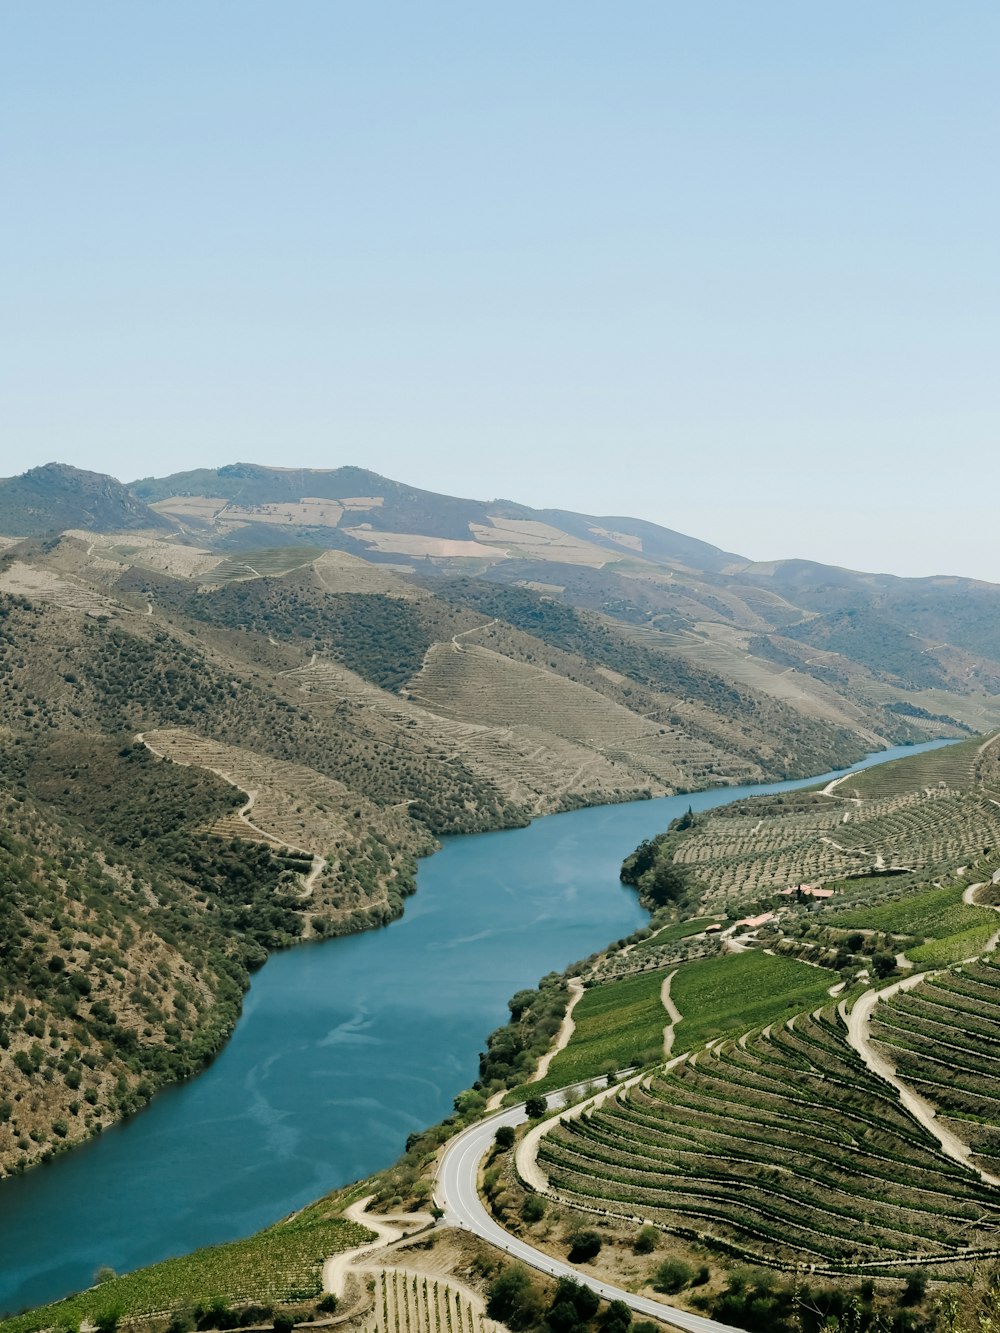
{"points": [[343, 1049]]}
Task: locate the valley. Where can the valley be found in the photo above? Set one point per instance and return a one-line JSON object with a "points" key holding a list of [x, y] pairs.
{"points": [[237, 709]]}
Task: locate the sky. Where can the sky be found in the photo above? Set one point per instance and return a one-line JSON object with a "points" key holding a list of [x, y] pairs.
{"points": [[730, 267]]}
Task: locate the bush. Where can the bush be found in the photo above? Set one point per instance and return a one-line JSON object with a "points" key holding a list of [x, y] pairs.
{"points": [[916, 1287], [617, 1318], [883, 964], [584, 1245], [533, 1208], [512, 1299], [673, 1275], [536, 1107], [647, 1240]]}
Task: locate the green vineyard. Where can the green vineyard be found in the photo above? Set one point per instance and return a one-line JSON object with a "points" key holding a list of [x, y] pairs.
{"points": [[944, 1039], [284, 1263], [780, 1149]]}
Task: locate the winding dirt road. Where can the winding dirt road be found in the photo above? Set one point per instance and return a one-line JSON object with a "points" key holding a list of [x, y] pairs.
{"points": [[566, 1030], [859, 1037], [673, 1013], [387, 1228]]}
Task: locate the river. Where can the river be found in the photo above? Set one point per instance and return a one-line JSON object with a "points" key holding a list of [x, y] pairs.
{"points": [[343, 1049]]}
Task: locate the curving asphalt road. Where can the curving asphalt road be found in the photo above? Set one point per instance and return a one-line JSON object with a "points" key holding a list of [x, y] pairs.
{"points": [[457, 1195]]}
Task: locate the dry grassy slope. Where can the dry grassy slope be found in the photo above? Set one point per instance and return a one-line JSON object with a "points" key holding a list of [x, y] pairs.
{"points": [[467, 681], [60, 670], [722, 649], [530, 766], [748, 737], [746, 740]]}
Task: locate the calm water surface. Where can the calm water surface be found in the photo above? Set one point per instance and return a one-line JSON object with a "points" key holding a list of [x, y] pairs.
{"points": [[343, 1049]]}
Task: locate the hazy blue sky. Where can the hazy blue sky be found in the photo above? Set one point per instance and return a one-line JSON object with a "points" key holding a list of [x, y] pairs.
{"points": [[732, 266]]}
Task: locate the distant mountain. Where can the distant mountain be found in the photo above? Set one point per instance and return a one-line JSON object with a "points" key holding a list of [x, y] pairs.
{"points": [[366, 508], [55, 497]]}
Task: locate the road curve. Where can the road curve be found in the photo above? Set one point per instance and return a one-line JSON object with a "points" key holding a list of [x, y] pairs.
{"points": [[456, 1193]]}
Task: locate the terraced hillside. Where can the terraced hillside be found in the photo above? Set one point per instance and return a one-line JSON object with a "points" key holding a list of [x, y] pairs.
{"points": [[332, 714], [954, 767], [779, 1149], [467, 681], [534, 768], [279, 1266], [943, 1038], [747, 851]]}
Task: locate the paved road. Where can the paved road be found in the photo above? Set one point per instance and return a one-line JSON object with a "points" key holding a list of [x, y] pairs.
{"points": [[456, 1194]]}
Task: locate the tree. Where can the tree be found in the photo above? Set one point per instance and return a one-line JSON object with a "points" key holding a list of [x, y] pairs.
{"points": [[584, 1301], [883, 964], [617, 1318], [512, 1299], [504, 1138], [535, 1107]]}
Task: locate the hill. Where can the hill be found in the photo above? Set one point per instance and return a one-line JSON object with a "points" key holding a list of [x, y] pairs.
{"points": [[52, 498]]}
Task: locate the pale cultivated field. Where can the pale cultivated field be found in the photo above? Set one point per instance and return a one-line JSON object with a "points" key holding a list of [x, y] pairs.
{"points": [[539, 541], [202, 507], [620, 538], [307, 513], [340, 572], [45, 585], [104, 551], [412, 543]]}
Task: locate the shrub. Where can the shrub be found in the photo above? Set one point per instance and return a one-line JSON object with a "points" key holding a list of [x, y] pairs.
{"points": [[646, 1241], [504, 1137], [512, 1299], [673, 1275], [584, 1245]]}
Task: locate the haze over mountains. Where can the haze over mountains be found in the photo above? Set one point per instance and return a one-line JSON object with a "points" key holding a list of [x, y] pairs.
{"points": [[343, 668]]}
